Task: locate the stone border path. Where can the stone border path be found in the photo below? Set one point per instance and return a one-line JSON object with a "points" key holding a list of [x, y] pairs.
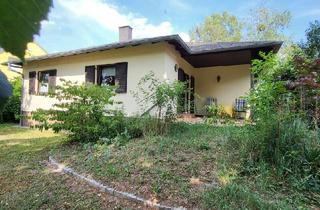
{"points": [[107, 189]]}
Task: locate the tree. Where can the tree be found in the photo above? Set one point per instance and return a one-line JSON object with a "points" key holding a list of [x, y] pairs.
{"points": [[312, 45], [266, 24], [262, 24], [218, 27], [20, 20]]}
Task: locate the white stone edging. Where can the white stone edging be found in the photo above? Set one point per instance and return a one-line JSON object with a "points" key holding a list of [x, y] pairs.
{"points": [[109, 190]]}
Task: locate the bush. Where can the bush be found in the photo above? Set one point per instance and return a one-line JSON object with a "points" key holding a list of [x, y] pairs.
{"points": [[158, 100], [282, 139], [216, 113], [11, 107], [84, 111]]}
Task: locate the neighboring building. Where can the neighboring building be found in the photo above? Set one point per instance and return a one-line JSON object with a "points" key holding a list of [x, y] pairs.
{"points": [[217, 72], [11, 66]]}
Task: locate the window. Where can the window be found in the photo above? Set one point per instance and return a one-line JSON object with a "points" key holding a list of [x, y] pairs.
{"points": [[43, 82], [108, 75], [47, 81], [113, 75]]}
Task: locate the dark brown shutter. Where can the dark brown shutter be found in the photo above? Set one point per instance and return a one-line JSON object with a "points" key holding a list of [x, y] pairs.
{"points": [[99, 72], [32, 82], [52, 80], [90, 74], [121, 77]]}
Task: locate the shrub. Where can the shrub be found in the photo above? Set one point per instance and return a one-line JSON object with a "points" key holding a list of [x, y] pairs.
{"points": [[11, 107], [216, 113], [282, 137], [84, 111], [158, 101]]}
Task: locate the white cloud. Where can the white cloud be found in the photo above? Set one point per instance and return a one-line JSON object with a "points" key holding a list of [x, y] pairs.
{"points": [[109, 17]]}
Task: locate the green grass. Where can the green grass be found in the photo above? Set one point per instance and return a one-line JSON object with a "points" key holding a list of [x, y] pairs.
{"points": [[25, 183], [170, 169]]}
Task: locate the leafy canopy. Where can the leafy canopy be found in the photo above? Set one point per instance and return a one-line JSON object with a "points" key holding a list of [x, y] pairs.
{"points": [[218, 27], [261, 24], [20, 20], [267, 24], [312, 45]]}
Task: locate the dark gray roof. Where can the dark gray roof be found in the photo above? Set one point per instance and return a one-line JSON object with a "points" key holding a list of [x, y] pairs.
{"points": [[200, 47], [185, 48]]}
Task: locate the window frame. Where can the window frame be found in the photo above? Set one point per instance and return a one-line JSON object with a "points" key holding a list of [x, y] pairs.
{"points": [[39, 82], [101, 67]]}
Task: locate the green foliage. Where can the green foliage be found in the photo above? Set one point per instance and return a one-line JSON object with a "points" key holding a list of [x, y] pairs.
{"points": [[282, 137], [235, 196], [158, 99], [216, 113], [266, 24], [261, 24], [218, 27], [312, 45], [11, 111], [84, 111], [20, 21]]}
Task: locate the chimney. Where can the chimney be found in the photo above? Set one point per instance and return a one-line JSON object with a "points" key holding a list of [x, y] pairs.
{"points": [[125, 33]]}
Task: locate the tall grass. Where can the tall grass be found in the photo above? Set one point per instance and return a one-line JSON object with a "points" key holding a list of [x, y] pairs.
{"points": [[285, 144]]}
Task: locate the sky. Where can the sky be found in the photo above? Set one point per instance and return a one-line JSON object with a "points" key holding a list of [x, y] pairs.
{"points": [[74, 24]]}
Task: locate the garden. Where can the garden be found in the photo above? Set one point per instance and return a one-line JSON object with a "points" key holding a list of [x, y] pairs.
{"points": [[271, 162]]}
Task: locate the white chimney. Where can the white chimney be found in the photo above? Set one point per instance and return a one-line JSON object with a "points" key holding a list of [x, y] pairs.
{"points": [[125, 33]]}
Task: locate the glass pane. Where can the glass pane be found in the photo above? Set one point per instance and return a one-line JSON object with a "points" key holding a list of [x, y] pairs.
{"points": [[44, 83], [108, 75]]}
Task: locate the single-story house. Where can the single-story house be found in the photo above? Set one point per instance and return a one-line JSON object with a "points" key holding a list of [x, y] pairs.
{"points": [[218, 72]]}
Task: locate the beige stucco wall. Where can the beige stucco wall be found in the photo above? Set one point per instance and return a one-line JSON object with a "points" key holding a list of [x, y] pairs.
{"points": [[159, 58], [141, 60]]}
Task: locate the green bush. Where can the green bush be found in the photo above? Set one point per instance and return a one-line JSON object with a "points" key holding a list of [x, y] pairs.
{"points": [[158, 101], [281, 138], [11, 107], [83, 111]]}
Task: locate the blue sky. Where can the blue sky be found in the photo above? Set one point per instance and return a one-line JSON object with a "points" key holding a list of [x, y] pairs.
{"points": [[74, 24]]}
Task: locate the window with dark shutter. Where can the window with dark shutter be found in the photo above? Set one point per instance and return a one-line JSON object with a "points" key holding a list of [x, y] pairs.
{"points": [[113, 74], [52, 80], [47, 81], [90, 74], [32, 82], [121, 77]]}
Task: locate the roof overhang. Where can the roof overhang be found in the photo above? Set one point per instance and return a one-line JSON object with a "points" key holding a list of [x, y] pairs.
{"points": [[209, 55]]}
